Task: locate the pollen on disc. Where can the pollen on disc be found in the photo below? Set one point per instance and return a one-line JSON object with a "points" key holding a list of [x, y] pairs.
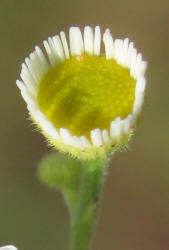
{"points": [[86, 92]]}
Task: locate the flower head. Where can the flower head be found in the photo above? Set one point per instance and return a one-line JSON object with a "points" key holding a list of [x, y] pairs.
{"points": [[83, 101]]}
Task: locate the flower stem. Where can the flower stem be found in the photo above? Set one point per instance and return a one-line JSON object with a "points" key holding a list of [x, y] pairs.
{"points": [[86, 211]]}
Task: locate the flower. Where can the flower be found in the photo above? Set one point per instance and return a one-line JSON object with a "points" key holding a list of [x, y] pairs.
{"points": [[84, 102], [8, 248]]}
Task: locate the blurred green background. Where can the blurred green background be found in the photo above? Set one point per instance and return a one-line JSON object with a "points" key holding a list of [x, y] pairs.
{"points": [[135, 210]]}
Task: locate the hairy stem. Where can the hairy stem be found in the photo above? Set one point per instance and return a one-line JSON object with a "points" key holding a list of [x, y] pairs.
{"points": [[85, 214]]}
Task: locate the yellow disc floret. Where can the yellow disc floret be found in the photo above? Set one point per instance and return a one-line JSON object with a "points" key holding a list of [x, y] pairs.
{"points": [[86, 92]]}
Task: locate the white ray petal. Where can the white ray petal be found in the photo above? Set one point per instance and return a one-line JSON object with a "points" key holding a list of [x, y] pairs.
{"points": [[138, 102], [122, 126], [140, 85], [42, 58], [105, 135], [143, 66], [37, 68], [29, 81], [59, 52], [125, 50], [68, 139], [77, 142], [76, 41], [65, 44], [96, 138], [88, 40], [109, 45], [48, 51], [32, 69], [127, 124], [97, 41], [85, 142], [54, 50], [45, 124], [66, 136], [133, 63], [129, 54], [112, 128], [140, 66], [115, 128], [118, 128], [25, 93], [118, 50]]}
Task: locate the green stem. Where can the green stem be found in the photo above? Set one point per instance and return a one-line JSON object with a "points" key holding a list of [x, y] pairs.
{"points": [[86, 211]]}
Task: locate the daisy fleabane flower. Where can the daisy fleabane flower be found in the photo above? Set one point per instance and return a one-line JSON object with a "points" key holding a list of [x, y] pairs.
{"points": [[9, 247], [85, 102]]}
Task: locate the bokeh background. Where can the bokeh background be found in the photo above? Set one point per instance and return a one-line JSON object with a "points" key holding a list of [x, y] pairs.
{"points": [[135, 210]]}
